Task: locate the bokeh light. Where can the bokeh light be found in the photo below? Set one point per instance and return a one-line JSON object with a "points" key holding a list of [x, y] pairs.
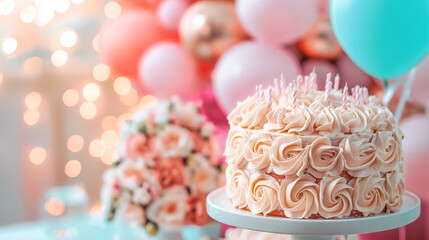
{"points": [[70, 97], [122, 85], [91, 92], [55, 207], [110, 138], [9, 45], [28, 14], [96, 208], [59, 58], [148, 101], [112, 10], [124, 117], [33, 64], [68, 38], [44, 16], [77, 1], [7, 7], [75, 143], [101, 72], [131, 98], [33, 100], [1, 78], [96, 43], [88, 110], [72, 168], [61, 6], [37, 155], [109, 123], [31, 117], [97, 148], [109, 156]]}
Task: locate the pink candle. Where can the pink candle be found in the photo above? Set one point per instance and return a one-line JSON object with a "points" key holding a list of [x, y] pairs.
{"points": [[327, 90], [358, 92], [344, 97], [328, 79], [282, 86], [294, 98], [276, 85], [365, 94], [306, 84], [298, 82], [337, 82], [270, 96]]}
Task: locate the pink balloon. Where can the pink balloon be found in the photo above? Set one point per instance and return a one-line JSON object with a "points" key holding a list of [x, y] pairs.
{"points": [[167, 69], [322, 68], [416, 152], [277, 21], [246, 65], [123, 40], [170, 12], [352, 74]]}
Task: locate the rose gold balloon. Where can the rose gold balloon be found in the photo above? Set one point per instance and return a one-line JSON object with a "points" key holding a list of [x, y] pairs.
{"points": [[320, 42], [209, 28]]}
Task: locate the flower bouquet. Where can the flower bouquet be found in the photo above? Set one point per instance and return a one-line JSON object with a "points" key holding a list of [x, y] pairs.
{"points": [[169, 162]]}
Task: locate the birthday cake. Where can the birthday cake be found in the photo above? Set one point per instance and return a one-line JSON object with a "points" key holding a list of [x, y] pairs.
{"points": [[169, 162], [300, 153]]}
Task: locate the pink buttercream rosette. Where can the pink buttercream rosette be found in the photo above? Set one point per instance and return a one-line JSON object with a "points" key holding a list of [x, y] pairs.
{"points": [[169, 162]]}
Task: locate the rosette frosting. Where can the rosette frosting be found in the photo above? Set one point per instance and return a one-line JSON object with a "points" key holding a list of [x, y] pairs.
{"points": [[237, 183], [263, 194]]}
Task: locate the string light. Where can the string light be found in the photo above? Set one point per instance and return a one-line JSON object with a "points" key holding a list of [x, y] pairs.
{"points": [[55, 207], [33, 64], [70, 97], [97, 148], [68, 38], [88, 110], [31, 117], [130, 98], [59, 58], [33, 100], [101, 72], [72, 168], [9, 45], [91, 92], [112, 10], [75, 143], [7, 7], [61, 6], [96, 43], [37, 155], [110, 138], [28, 14], [109, 123], [122, 85]]}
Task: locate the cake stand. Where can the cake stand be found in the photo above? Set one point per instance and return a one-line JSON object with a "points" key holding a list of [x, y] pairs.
{"points": [[219, 207]]}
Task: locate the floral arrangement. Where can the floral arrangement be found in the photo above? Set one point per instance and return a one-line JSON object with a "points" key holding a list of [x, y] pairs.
{"points": [[169, 162]]}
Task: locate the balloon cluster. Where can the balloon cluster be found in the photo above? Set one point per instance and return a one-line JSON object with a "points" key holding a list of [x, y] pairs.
{"points": [[184, 46]]}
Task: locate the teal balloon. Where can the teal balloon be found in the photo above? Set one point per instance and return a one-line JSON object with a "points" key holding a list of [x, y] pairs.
{"points": [[386, 38]]}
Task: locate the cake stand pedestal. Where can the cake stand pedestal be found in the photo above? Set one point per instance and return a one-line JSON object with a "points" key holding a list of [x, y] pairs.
{"points": [[219, 207]]}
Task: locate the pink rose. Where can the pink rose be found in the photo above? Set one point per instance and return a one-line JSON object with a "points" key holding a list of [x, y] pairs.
{"points": [[175, 141], [170, 209], [196, 213], [130, 174], [170, 172], [135, 145], [204, 180], [130, 213]]}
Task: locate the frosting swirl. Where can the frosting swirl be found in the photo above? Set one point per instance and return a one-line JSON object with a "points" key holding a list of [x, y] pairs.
{"points": [[327, 122], [353, 119], [257, 151], [235, 142], [263, 194], [300, 121], [335, 197], [237, 183], [325, 159], [387, 150], [250, 114], [369, 195], [288, 155], [395, 188], [299, 196], [360, 156]]}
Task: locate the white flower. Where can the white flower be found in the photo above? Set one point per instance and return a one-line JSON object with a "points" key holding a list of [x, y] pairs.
{"points": [[207, 130], [170, 209], [141, 196], [175, 141], [130, 213], [187, 114]]}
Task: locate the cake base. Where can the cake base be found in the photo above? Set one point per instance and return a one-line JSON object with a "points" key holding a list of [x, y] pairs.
{"points": [[219, 207]]}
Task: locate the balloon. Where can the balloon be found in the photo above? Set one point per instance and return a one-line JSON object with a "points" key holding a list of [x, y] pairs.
{"points": [[321, 68], [247, 65], [167, 69], [208, 29], [385, 38], [352, 74], [277, 21], [123, 40], [170, 12], [416, 152], [320, 42]]}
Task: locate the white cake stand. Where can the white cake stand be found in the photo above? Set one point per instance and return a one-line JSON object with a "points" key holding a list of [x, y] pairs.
{"points": [[219, 207]]}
